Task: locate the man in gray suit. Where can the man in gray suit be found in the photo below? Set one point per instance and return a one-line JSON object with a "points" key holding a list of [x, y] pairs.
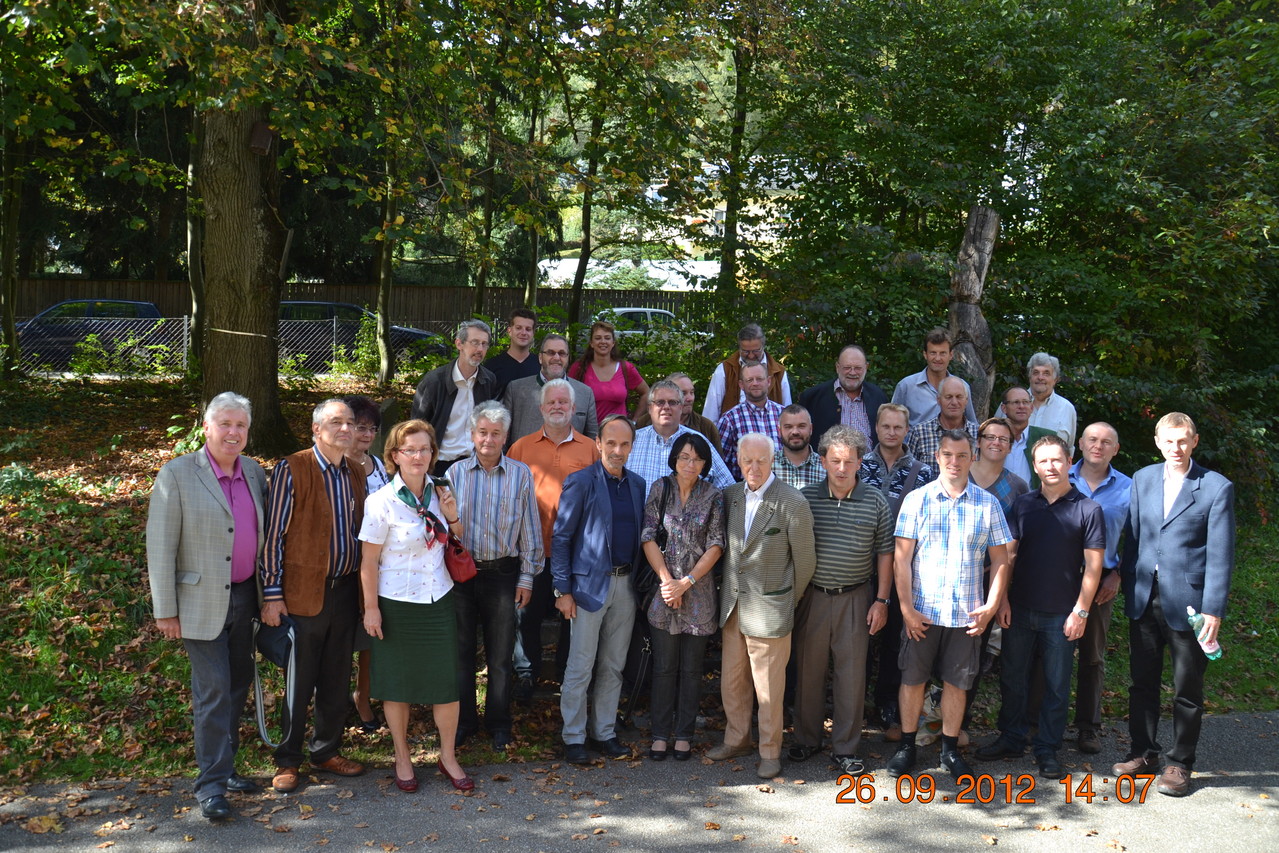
{"points": [[523, 397], [1179, 552], [769, 560], [204, 537]]}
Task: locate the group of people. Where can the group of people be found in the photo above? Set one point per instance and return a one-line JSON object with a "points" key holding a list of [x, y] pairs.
{"points": [[822, 539]]}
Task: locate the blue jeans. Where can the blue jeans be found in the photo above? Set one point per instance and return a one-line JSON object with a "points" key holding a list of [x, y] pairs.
{"points": [[1033, 630], [486, 602]]}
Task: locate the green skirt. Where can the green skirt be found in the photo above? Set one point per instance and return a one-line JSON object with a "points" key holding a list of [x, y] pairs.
{"points": [[416, 659]]}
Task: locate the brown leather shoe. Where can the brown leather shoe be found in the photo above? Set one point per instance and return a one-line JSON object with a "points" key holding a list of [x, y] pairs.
{"points": [[341, 766], [1089, 742], [1133, 766], [285, 780], [1174, 781]]}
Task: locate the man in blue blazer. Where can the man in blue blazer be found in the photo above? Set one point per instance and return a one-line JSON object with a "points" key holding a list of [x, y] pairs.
{"points": [[1179, 552], [204, 539], [849, 399], [595, 546]]}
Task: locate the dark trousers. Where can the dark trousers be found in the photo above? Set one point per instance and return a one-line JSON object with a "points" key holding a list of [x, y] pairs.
{"points": [[1148, 637], [323, 651], [528, 630], [886, 646], [221, 672], [486, 603], [1092, 667], [678, 661], [1035, 638]]}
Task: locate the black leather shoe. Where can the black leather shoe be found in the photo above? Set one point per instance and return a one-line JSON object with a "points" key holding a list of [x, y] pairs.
{"points": [[462, 736], [215, 807], [903, 760], [241, 785], [501, 740], [999, 748], [612, 747], [575, 753], [1049, 766], [955, 765]]}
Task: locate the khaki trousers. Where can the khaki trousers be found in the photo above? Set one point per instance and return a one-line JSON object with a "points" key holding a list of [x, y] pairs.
{"points": [[754, 668]]}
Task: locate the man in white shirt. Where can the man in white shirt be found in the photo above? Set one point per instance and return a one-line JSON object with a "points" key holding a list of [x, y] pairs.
{"points": [[750, 347], [446, 396]]}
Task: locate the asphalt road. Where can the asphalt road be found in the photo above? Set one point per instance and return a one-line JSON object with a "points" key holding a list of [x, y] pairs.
{"points": [[642, 805]]}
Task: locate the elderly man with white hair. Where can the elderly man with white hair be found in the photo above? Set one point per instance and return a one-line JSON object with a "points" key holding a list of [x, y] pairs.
{"points": [[204, 537], [769, 560], [1049, 410]]}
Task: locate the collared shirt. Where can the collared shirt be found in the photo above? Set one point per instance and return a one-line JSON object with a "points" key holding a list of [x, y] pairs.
{"points": [[1057, 414], [754, 499], [1114, 494], [1173, 481], [344, 548], [951, 537], [625, 528], [1017, 461], [916, 393], [849, 533], [456, 441], [718, 401], [925, 438], [1051, 540], [743, 419], [895, 483], [244, 518], [499, 513], [551, 462], [408, 569], [651, 454], [852, 409], [807, 473]]}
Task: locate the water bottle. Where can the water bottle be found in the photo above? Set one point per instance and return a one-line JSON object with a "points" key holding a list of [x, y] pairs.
{"points": [[1196, 620]]}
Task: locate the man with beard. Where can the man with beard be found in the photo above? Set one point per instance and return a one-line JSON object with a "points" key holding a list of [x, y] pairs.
{"points": [[523, 397], [797, 463], [849, 400]]}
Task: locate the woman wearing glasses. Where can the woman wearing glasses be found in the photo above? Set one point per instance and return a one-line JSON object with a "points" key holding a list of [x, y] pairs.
{"points": [[684, 613], [408, 606]]}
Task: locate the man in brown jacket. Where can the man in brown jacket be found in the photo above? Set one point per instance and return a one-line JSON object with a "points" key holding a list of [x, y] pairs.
{"points": [[310, 571]]}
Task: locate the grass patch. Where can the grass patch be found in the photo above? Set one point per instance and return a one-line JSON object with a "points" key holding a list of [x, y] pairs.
{"points": [[90, 690]]}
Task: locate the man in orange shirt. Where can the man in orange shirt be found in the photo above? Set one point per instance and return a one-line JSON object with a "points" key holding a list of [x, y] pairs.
{"points": [[551, 453]]}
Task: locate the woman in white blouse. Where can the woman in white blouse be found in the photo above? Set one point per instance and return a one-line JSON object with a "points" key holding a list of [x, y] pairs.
{"points": [[408, 608]]}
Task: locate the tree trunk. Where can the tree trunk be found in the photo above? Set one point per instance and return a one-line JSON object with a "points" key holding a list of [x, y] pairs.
{"points": [[733, 179], [973, 349], [490, 189], [243, 241], [195, 249], [10, 202], [579, 277], [385, 274]]}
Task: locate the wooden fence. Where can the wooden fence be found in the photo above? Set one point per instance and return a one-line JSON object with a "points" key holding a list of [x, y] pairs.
{"points": [[436, 308]]}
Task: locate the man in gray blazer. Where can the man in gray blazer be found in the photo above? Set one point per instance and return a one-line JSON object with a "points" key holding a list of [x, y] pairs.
{"points": [[1179, 552], [768, 562], [204, 538], [523, 397]]}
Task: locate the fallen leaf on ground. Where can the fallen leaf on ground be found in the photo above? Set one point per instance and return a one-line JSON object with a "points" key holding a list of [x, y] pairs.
{"points": [[710, 824]]}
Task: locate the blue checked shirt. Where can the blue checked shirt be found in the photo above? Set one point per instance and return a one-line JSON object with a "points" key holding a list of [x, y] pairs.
{"points": [[925, 438], [498, 510], [651, 454], [742, 419], [799, 476], [951, 537]]}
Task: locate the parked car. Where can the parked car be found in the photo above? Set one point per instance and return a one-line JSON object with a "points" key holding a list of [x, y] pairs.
{"points": [[48, 340], [310, 331], [647, 322]]}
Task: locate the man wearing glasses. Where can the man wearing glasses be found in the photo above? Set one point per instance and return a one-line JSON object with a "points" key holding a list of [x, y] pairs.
{"points": [[653, 443], [724, 381], [688, 417], [446, 396], [523, 397], [1016, 408]]}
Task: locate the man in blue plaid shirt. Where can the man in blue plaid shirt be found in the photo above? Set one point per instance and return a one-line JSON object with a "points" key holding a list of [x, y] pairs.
{"points": [[944, 533], [756, 413]]}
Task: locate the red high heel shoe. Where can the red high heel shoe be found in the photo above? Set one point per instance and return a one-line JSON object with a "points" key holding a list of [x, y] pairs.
{"points": [[462, 783], [408, 785]]}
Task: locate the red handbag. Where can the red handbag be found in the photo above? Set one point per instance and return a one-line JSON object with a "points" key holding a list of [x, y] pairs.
{"points": [[458, 560]]}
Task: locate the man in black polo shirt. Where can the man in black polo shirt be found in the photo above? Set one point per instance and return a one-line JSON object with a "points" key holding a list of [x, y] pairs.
{"points": [[1059, 541]]}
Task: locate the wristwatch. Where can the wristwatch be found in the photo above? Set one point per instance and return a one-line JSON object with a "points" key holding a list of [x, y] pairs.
{"points": [[883, 601], [1081, 613], [557, 592]]}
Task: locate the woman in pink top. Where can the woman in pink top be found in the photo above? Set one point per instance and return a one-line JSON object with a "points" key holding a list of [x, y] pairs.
{"points": [[608, 375]]}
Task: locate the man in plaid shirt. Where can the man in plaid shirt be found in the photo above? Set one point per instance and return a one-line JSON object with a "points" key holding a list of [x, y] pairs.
{"points": [[925, 438], [944, 532], [756, 414]]}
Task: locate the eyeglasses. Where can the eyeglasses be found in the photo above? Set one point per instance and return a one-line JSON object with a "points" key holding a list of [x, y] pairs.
{"points": [[752, 354], [997, 439], [666, 404], [688, 460], [366, 430], [555, 353], [1025, 402], [414, 451]]}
